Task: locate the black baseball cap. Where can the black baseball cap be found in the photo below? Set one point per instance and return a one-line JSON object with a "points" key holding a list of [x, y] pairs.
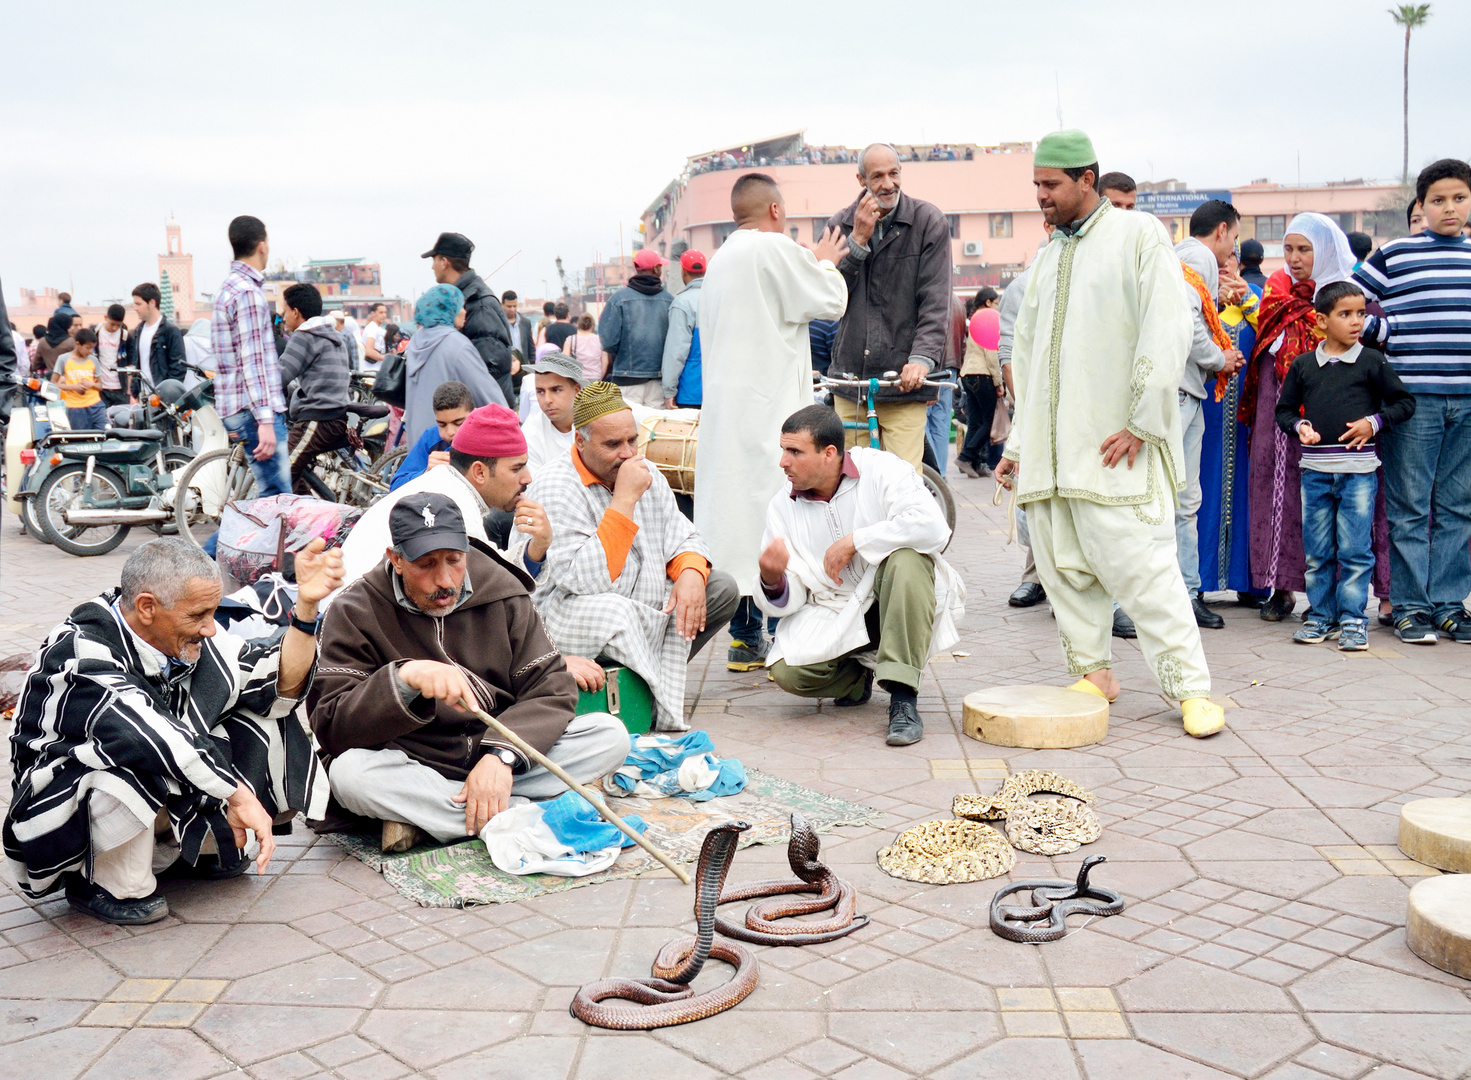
{"points": [[1252, 252], [451, 245], [419, 524]]}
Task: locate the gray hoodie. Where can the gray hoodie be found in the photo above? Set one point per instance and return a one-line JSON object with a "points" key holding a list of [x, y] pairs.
{"points": [[437, 354], [316, 360]]}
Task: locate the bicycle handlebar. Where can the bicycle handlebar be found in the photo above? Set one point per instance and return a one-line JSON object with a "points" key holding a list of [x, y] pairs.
{"points": [[827, 381]]}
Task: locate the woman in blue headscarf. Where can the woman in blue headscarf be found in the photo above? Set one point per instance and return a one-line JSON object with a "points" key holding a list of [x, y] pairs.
{"points": [[439, 353]]}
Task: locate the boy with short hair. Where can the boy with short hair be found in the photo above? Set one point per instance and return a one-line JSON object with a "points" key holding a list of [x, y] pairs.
{"points": [[1336, 399], [316, 360], [76, 375], [1423, 284], [453, 401], [112, 338]]}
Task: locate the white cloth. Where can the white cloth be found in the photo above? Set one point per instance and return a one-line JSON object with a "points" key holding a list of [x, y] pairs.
{"points": [[1115, 363], [109, 343], [761, 291], [370, 537], [1333, 259], [145, 348], [198, 350], [543, 441], [519, 841], [885, 508], [375, 333]]}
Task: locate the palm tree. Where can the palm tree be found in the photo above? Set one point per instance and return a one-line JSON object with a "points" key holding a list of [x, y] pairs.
{"points": [[1410, 16]]}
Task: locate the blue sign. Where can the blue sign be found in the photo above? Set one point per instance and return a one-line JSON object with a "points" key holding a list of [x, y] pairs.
{"points": [[1176, 203]]}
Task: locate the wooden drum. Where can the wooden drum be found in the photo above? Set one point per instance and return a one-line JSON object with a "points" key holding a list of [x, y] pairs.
{"points": [[669, 440]]}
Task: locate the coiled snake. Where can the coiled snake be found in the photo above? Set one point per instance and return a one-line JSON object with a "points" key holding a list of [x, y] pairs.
{"points": [[668, 995], [761, 927], [1053, 901]]}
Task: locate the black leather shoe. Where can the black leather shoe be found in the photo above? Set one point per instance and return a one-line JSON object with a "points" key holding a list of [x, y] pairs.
{"points": [[96, 901], [1027, 594], [1123, 626], [208, 868], [1205, 618], [905, 726], [1278, 606], [862, 698]]}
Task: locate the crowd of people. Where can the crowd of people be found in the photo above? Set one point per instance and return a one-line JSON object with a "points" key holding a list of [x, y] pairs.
{"points": [[1178, 428]]}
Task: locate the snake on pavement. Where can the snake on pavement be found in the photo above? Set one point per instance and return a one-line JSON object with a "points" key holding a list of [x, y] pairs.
{"points": [[762, 927], [1053, 901], [668, 995]]}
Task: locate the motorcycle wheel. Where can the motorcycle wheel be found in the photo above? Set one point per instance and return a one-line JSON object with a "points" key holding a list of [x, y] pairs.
{"points": [[29, 523], [62, 489]]}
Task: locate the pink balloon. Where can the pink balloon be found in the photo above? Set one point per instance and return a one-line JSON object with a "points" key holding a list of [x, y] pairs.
{"points": [[985, 328]]}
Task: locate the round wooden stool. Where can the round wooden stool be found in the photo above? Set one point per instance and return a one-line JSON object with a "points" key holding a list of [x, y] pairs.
{"points": [[1438, 925], [1036, 717], [1437, 832]]}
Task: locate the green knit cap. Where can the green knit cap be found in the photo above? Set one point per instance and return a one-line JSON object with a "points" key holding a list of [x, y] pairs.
{"points": [[596, 400], [1065, 150]]}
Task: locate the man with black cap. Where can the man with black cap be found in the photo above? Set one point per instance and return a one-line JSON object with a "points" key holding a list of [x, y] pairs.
{"points": [[485, 320], [444, 623], [1251, 263]]}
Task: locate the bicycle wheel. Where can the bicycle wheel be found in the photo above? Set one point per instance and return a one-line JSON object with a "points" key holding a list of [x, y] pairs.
{"points": [[385, 467], [203, 489], [935, 484], [63, 490], [175, 459]]}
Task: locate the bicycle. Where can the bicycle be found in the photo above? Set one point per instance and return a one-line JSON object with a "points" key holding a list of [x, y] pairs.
{"points": [[934, 483]]}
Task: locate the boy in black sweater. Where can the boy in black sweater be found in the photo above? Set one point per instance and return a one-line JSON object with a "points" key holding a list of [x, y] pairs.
{"points": [[1336, 399]]}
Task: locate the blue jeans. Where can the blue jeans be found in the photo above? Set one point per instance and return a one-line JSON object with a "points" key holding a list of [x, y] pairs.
{"points": [[1187, 536], [272, 477], [937, 420], [1427, 489], [745, 624], [88, 418], [1338, 544]]}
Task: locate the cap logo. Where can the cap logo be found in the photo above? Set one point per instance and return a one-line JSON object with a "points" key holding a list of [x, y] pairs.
{"points": [[428, 517]]}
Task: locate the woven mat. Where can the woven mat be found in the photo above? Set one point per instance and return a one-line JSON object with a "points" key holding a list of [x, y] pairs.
{"points": [[457, 875]]}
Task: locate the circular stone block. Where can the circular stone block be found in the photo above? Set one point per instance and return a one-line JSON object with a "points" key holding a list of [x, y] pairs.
{"points": [[1437, 832], [1438, 925], [1036, 717]]}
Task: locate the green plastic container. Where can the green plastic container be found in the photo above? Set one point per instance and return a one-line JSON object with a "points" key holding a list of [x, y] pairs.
{"points": [[625, 695]]}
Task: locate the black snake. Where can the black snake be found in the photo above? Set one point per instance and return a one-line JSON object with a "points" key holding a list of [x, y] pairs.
{"points": [[761, 927], [668, 995], [1053, 901]]}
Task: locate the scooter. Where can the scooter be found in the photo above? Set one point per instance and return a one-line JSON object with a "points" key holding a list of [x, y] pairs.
{"points": [[35, 431], [97, 488]]}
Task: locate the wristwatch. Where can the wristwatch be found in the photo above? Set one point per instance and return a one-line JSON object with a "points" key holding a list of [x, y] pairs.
{"points": [[305, 627], [508, 757]]}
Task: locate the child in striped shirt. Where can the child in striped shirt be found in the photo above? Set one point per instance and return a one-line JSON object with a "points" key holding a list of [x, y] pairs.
{"points": [[1423, 284]]}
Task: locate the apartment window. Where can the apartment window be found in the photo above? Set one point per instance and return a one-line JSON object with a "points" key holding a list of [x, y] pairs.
{"points": [[1271, 228], [1000, 226], [819, 226], [954, 222], [1346, 221], [794, 232], [722, 232]]}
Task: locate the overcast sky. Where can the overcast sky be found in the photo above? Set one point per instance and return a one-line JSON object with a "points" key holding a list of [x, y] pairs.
{"points": [[364, 129]]}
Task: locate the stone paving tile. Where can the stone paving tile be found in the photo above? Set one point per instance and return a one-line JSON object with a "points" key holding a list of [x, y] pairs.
{"points": [[1263, 934]]}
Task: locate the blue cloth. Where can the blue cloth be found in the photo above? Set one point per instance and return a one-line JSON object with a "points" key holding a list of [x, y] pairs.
{"points": [[691, 391], [820, 336], [1221, 523], [937, 420], [438, 306], [655, 760], [89, 418], [575, 823], [745, 624], [416, 461], [272, 477], [632, 329], [1427, 490], [1423, 284], [1337, 542]]}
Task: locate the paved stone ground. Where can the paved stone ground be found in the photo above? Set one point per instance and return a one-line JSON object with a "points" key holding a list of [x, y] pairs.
{"points": [[1263, 938]]}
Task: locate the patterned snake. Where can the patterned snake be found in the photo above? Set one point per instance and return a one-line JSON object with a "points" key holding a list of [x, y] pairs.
{"points": [[812, 877], [1053, 901], [668, 996]]}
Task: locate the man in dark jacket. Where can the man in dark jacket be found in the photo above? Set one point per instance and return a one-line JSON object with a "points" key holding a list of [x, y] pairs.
{"points": [[155, 346], [8, 360], [440, 620], [316, 360], [485, 320], [898, 270], [633, 328]]}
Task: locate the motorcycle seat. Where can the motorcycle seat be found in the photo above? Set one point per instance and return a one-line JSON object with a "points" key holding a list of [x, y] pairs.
{"points": [[147, 434]]}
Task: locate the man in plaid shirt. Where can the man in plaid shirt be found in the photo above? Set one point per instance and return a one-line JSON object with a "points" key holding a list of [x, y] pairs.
{"points": [[247, 376]]}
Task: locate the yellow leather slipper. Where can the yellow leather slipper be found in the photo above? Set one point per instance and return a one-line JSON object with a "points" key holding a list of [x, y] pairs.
{"points": [[1202, 717], [1087, 687]]}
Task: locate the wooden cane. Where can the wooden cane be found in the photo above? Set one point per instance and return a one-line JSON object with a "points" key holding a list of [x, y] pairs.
{"points": [[587, 793]]}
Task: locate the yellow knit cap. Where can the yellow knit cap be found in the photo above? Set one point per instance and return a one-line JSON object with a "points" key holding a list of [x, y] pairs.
{"points": [[596, 400]]}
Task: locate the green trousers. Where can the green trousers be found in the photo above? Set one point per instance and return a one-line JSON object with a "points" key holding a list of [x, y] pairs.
{"points": [[901, 623]]}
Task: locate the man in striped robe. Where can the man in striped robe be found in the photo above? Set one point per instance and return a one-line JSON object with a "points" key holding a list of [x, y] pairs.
{"points": [[146, 738]]}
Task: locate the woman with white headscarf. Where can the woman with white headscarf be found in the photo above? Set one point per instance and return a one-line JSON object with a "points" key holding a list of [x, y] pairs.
{"points": [[1317, 253]]}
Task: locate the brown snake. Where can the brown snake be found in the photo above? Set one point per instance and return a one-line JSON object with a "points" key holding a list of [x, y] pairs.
{"points": [[761, 927], [668, 996]]}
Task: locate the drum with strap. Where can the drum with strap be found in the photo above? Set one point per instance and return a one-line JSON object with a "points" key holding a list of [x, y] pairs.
{"points": [[669, 441]]}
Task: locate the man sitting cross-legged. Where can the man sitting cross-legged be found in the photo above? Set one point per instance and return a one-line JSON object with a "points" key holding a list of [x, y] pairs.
{"points": [[851, 565], [147, 738], [627, 576], [442, 620]]}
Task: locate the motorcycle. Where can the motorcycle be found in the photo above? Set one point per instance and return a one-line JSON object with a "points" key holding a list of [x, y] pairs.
{"points": [[35, 431], [96, 488]]}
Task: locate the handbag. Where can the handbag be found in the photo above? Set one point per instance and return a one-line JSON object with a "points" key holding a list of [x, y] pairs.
{"points": [[391, 382], [1001, 423]]}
